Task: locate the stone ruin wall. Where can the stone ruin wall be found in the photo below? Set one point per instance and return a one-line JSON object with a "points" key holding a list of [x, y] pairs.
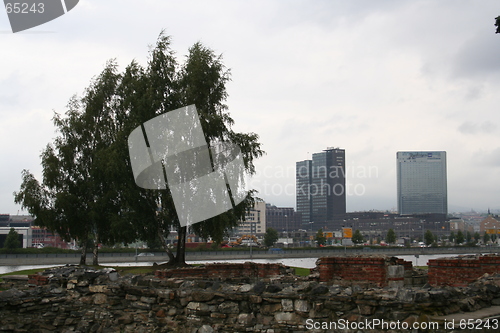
{"points": [[241, 298], [218, 270]]}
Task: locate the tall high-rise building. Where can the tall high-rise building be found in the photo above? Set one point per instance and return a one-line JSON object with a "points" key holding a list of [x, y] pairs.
{"points": [[422, 184], [303, 176], [321, 190]]}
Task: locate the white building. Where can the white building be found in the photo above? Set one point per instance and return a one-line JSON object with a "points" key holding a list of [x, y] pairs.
{"points": [[24, 231], [255, 220]]}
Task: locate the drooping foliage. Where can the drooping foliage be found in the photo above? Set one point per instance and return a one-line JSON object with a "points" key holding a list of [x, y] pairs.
{"points": [[88, 191]]}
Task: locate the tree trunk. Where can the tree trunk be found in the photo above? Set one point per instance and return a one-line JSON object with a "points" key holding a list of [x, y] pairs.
{"points": [[171, 257], [83, 255], [180, 258], [95, 251]]}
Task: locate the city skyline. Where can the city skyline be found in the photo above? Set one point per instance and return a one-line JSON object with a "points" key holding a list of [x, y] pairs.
{"points": [[371, 77]]}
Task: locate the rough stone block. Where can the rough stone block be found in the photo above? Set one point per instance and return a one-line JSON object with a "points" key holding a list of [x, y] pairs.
{"points": [[246, 319], [205, 329], [286, 317], [270, 308], [98, 288], [229, 307], [395, 271], [287, 305], [301, 305], [100, 298], [148, 300], [255, 299], [197, 306], [202, 296]]}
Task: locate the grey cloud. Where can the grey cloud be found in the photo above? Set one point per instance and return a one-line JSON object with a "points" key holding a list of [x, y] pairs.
{"points": [[492, 158], [470, 127], [478, 57]]}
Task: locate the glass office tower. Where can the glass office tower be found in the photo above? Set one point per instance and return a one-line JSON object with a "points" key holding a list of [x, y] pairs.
{"points": [[422, 184], [303, 177], [325, 181]]}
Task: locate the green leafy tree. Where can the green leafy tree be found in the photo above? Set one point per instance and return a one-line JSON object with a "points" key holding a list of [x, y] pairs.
{"points": [[320, 238], [88, 190], [429, 238], [357, 237], [390, 237], [452, 237], [270, 237], [12, 240], [201, 81], [477, 237], [468, 237], [75, 199], [460, 237], [486, 237]]}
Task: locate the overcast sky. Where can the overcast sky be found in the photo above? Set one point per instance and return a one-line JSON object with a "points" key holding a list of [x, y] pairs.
{"points": [[371, 77]]}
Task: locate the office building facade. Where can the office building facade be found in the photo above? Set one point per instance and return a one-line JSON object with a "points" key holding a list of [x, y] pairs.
{"points": [[321, 186], [283, 219], [422, 182], [303, 177]]}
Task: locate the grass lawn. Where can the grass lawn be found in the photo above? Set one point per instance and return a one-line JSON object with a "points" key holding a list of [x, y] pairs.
{"points": [[302, 271], [134, 270]]}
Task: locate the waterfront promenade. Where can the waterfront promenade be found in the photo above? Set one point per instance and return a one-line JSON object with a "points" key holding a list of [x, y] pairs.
{"points": [[161, 257]]}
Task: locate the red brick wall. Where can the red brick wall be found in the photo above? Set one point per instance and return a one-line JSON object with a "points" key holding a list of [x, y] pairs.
{"points": [[224, 270], [362, 269], [460, 271], [407, 264], [38, 279], [353, 269]]}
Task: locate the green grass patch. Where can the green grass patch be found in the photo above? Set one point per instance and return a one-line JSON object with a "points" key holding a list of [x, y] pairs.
{"points": [[119, 269], [122, 270], [135, 270], [300, 271], [422, 267]]}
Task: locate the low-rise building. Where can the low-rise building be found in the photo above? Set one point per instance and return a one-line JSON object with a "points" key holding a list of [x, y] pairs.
{"points": [[490, 225], [255, 221]]}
